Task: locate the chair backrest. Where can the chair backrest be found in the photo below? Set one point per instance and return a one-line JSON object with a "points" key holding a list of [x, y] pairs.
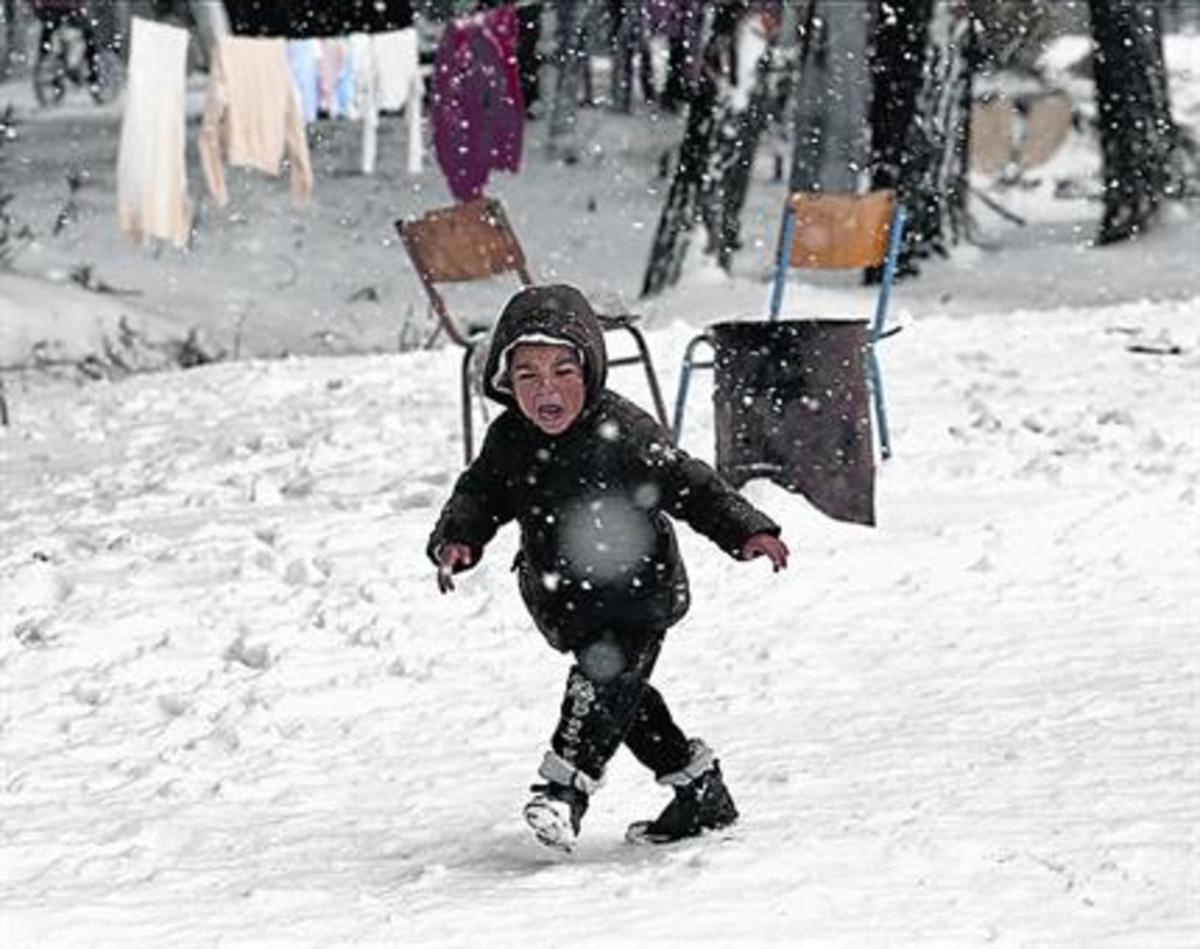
{"points": [[840, 231], [845, 231], [993, 128], [1047, 125], [466, 242]]}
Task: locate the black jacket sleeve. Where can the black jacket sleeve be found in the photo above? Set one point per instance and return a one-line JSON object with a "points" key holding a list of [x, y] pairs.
{"points": [[692, 491], [480, 503]]}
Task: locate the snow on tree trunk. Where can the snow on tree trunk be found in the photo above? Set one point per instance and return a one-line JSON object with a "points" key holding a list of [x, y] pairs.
{"points": [[830, 127], [920, 119], [1138, 139]]}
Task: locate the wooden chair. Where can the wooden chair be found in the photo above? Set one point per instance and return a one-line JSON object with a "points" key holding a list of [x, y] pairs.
{"points": [[474, 241], [830, 231]]}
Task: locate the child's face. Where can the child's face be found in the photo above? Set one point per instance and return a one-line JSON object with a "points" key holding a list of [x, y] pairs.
{"points": [[547, 382]]}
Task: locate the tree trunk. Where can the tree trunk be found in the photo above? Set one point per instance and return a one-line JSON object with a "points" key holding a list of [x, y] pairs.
{"points": [[575, 23], [726, 116], [678, 218], [11, 37], [211, 21], [1141, 146], [743, 111], [830, 128], [920, 120]]}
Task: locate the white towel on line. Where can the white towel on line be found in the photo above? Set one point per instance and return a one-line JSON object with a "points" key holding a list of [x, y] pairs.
{"points": [[152, 192]]}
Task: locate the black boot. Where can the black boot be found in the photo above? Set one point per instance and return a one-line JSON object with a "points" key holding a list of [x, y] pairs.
{"points": [[702, 803], [554, 814]]}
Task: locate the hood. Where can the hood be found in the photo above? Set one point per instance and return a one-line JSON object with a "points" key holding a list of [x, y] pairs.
{"points": [[552, 312]]}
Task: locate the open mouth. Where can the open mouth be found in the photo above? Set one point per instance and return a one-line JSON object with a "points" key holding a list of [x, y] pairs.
{"points": [[551, 419]]}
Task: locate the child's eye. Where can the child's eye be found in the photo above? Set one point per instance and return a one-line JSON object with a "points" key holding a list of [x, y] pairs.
{"points": [[567, 371]]}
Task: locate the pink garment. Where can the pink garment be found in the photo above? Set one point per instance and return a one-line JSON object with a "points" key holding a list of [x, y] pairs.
{"points": [[503, 24], [330, 64], [152, 193], [252, 116], [477, 115]]}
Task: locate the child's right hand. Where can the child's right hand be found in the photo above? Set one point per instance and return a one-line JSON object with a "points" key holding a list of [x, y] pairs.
{"points": [[451, 559]]}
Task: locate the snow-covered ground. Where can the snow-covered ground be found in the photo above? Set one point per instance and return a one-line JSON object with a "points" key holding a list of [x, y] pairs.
{"points": [[236, 712]]}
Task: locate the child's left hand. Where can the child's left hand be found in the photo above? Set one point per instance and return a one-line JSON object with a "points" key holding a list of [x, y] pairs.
{"points": [[451, 558], [767, 545]]}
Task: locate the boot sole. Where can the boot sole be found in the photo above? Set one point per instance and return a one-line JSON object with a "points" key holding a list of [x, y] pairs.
{"points": [[548, 828], [639, 832]]}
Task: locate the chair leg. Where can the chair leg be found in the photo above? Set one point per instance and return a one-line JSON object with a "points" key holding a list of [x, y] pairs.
{"points": [[468, 441], [876, 378], [685, 378], [660, 407], [895, 237], [779, 276]]}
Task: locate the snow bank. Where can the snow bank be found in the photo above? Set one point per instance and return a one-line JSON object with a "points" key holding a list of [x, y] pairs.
{"points": [[45, 323]]}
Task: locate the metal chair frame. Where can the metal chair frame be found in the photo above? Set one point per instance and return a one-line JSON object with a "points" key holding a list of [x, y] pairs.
{"points": [[475, 241], [828, 231]]}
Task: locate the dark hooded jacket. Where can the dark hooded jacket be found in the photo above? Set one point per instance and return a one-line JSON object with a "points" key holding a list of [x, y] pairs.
{"points": [[598, 551]]}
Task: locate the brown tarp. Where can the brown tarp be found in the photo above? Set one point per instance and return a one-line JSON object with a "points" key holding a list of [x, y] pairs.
{"points": [[1025, 131], [792, 405]]}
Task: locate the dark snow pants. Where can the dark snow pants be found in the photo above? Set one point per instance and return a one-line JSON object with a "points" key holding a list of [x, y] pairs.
{"points": [[609, 700]]}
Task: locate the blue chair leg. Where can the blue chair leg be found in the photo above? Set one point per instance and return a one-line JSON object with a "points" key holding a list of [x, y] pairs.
{"points": [[781, 262], [685, 378], [876, 379], [875, 375]]}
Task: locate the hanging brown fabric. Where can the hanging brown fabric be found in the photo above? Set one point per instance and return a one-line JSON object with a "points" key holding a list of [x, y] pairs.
{"points": [[792, 404]]}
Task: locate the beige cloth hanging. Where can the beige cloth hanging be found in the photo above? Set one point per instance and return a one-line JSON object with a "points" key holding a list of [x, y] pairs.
{"points": [[252, 116], [152, 194]]}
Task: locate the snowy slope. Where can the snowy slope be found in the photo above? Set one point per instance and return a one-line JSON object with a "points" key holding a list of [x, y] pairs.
{"points": [[237, 713]]}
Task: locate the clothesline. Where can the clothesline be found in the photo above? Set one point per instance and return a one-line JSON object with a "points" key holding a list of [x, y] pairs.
{"points": [[252, 118]]}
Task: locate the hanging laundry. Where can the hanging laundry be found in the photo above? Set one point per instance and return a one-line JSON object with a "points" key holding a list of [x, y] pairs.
{"points": [[298, 19], [503, 23], [477, 113], [343, 88], [252, 116], [337, 77], [152, 196], [387, 77], [397, 68], [302, 59]]}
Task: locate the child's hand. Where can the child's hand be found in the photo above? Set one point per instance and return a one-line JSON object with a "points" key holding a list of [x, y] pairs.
{"points": [[766, 545], [451, 558]]}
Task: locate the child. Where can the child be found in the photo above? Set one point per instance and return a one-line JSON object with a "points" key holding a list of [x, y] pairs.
{"points": [[590, 479]]}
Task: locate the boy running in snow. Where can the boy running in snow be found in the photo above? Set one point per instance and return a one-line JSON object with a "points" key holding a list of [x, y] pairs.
{"points": [[591, 479]]}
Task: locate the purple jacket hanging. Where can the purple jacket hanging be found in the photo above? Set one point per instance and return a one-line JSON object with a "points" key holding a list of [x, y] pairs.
{"points": [[505, 26], [477, 111]]}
